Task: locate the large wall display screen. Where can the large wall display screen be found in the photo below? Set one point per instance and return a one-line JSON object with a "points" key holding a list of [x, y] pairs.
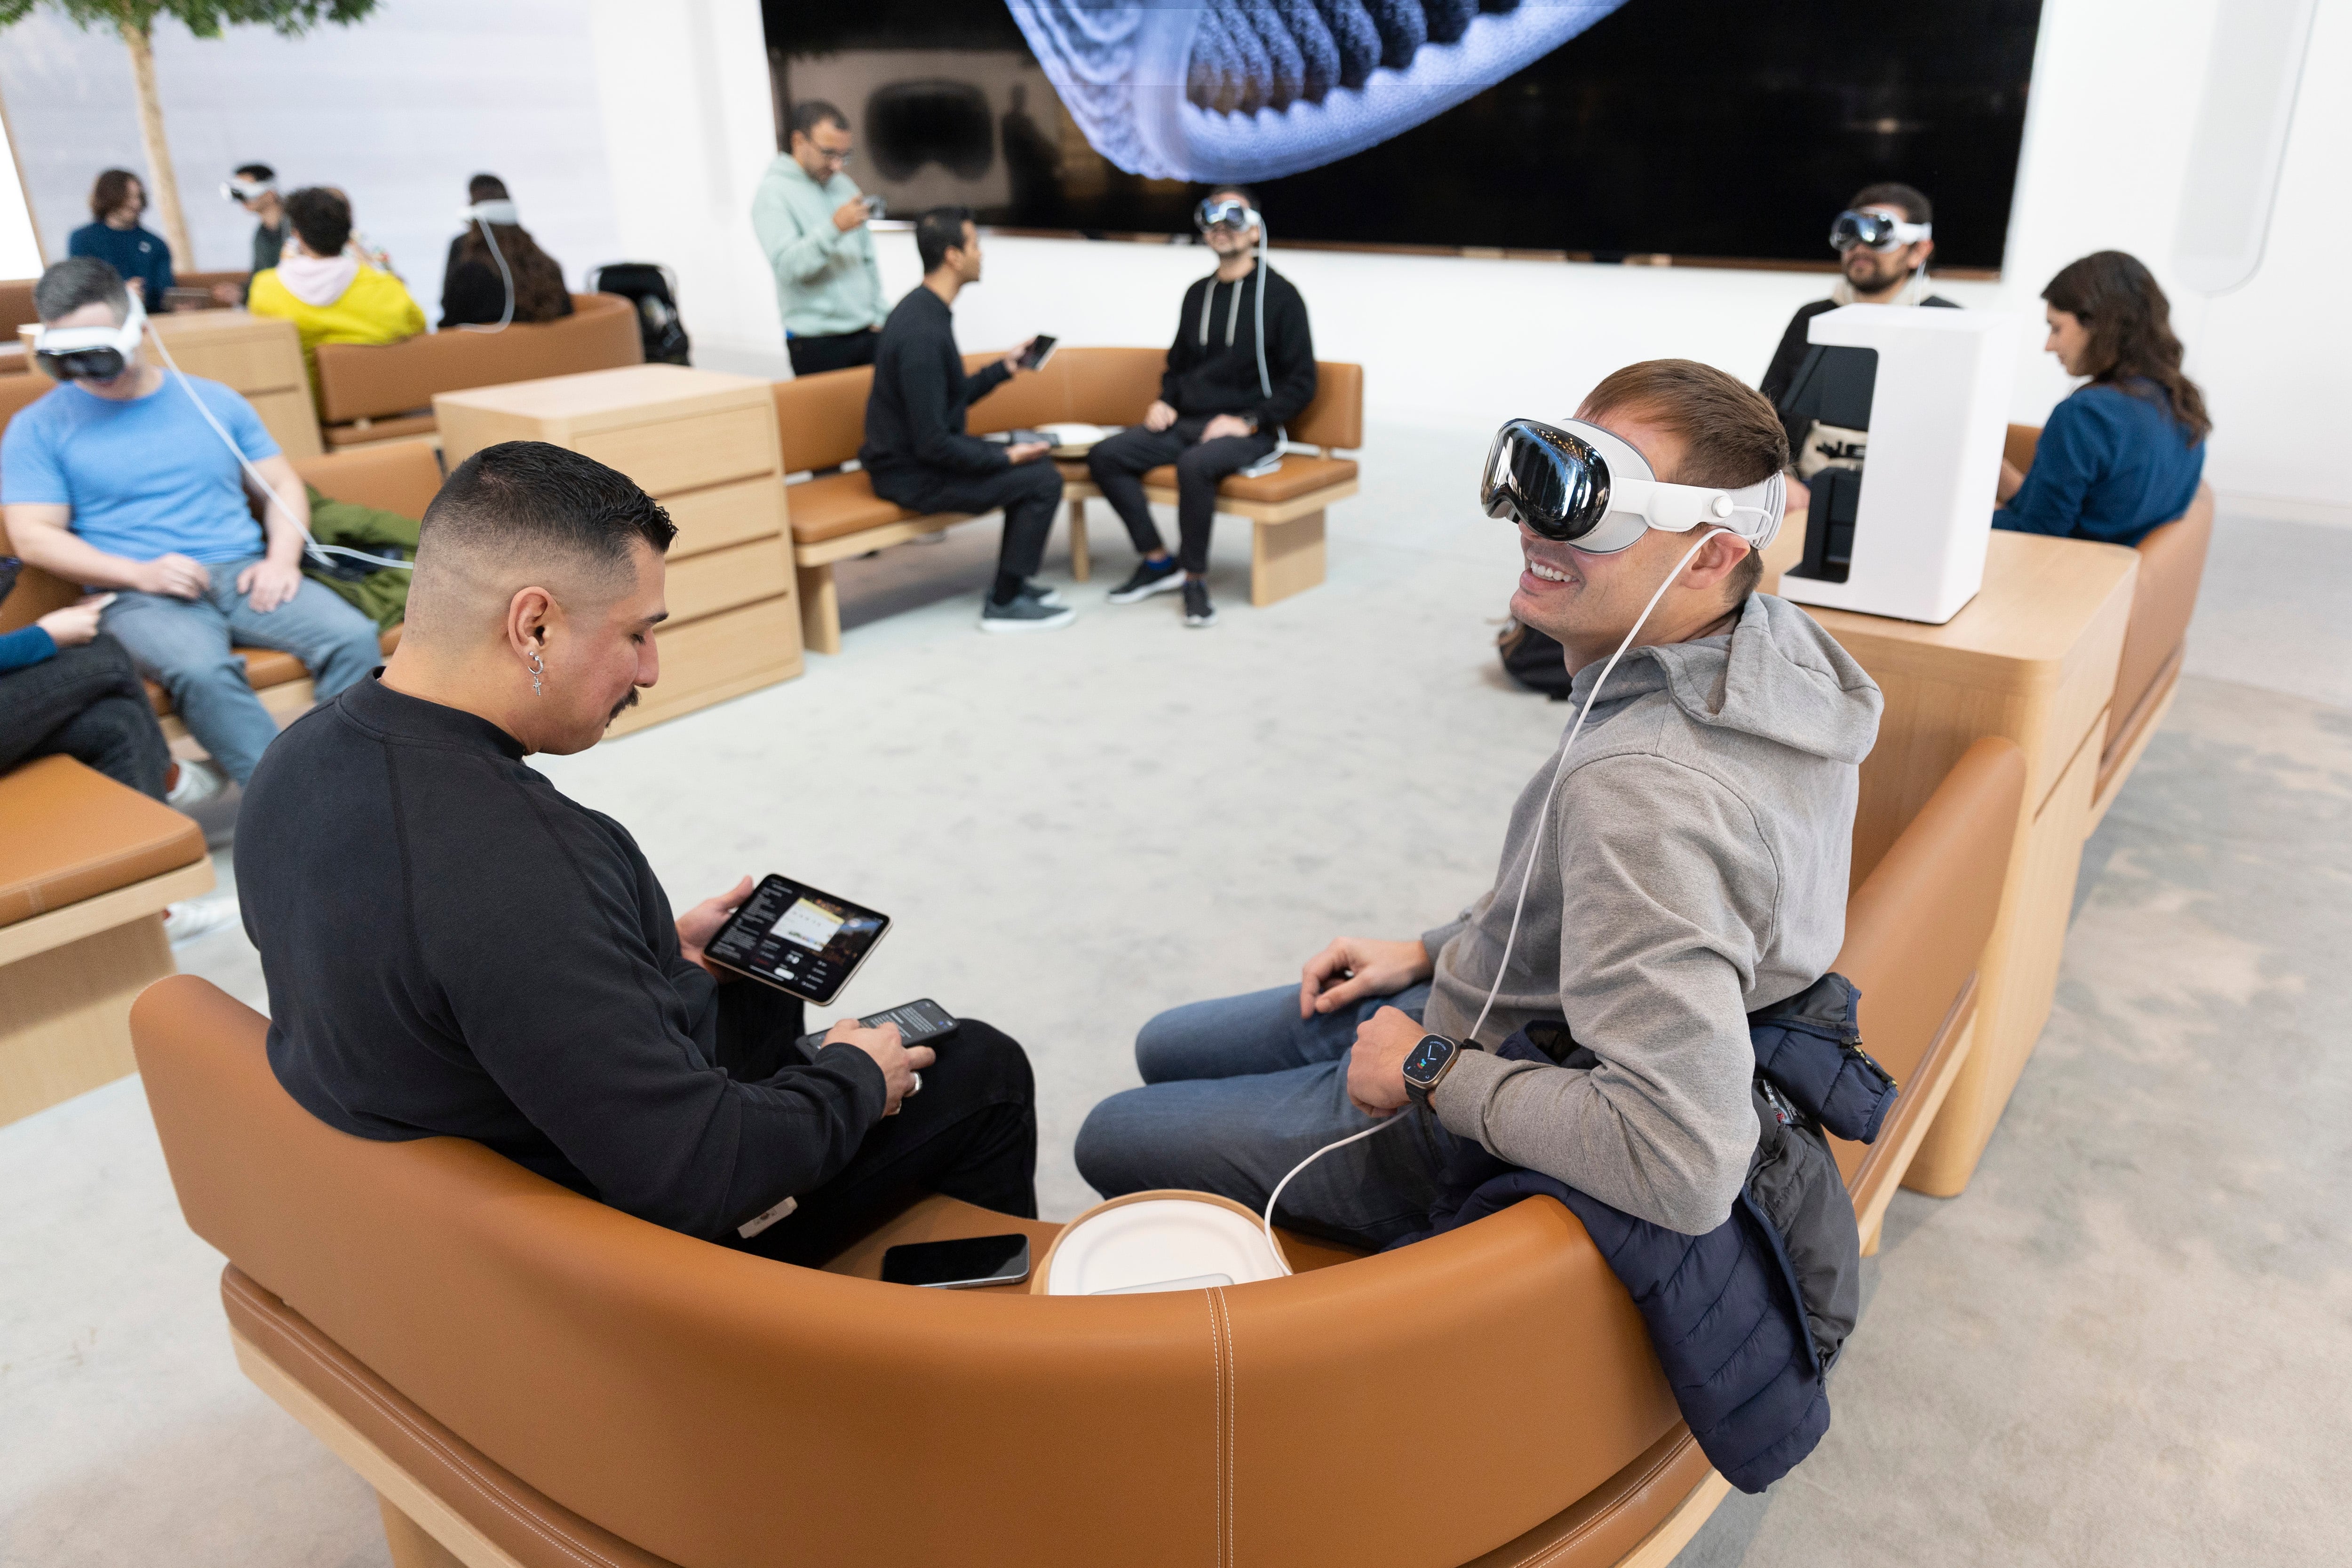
{"points": [[1732, 129]]}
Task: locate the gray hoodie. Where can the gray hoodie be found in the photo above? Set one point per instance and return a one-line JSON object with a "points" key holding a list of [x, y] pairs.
{"points": [[1693, 870]]}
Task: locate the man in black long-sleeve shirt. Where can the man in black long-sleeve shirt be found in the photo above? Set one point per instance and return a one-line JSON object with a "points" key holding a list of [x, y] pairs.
{"points": [[1222, 403], [916, 450], [452, 946]]}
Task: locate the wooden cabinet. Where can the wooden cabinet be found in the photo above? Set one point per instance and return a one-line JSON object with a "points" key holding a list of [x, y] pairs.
{"points": [[257, 356], [703, 445], [2032, 657]]}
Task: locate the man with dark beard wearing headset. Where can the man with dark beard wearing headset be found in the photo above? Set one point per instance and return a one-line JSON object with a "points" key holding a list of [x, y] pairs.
{"points": [[1683, 866], [1242, 366]]}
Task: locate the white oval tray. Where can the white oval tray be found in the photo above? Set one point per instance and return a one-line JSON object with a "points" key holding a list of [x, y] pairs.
{"points": [[1162, 1240]]}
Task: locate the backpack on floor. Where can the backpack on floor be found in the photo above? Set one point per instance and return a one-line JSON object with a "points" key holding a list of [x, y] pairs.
{"points": [[1533, 660], [647, 284]]}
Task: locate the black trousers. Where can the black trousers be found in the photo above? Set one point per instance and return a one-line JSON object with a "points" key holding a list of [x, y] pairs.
{"points": [[87, 704], [1120, 463], [971, 1132], [1029, 493], [814, 356]]}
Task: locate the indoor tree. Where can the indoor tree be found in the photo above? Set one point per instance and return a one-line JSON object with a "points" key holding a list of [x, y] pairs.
{"points": [[135, 20]]}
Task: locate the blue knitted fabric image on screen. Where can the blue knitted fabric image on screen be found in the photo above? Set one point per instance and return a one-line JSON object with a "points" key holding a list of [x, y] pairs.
{"points": [[1254, 89]]}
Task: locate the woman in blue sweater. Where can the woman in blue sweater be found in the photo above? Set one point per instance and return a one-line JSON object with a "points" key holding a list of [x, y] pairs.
{"points": [[114, 237], [2124, 453]]}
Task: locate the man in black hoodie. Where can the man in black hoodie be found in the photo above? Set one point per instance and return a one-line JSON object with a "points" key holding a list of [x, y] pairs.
{"points": [[1242, 366]]}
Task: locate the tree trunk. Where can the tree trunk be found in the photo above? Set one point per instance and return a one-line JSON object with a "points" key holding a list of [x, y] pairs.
{"points": [[163, 186]]}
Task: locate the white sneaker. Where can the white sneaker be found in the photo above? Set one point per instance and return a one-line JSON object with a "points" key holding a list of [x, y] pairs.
{"points": [[199, 917], [199, 782]]}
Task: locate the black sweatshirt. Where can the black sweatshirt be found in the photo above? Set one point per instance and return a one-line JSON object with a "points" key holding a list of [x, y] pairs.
{"points": [[1212, 363], [452, 946], [914, 415]]}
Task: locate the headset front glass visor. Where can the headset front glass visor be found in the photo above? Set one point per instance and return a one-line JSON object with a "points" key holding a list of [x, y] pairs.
{"points": [[1874, 231], [1225, 212]]}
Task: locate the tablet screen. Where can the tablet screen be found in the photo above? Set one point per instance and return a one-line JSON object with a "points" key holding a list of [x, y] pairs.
{"points": [[798, 938]]}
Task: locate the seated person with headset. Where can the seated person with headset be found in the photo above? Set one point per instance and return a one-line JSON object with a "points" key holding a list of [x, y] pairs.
{"points": [[452, 946], [1682, 867], [2123, 453], [327, 292], [115, 480], [497, 273], [1242, 366], [1883, 241]]}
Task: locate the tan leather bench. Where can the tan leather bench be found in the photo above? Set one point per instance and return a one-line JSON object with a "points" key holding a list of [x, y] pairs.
{"points": [[836, 517], [1114, 386], [87, 866], [527, 1378], [382, 391], [2164, 599]]}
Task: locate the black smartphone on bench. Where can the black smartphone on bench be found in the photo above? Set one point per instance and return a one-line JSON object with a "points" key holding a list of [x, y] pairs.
{"points": [[966, 1263], [798, 938], [919, 1023]]}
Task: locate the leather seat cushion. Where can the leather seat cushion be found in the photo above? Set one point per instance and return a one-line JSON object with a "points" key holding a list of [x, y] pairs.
{"points": [[420, 422], [832, 505], [74, 833], [1299, 475], [264, 668]]}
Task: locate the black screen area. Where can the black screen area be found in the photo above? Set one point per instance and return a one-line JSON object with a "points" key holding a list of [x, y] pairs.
{"points": [[793, 936], [952, 1262]]}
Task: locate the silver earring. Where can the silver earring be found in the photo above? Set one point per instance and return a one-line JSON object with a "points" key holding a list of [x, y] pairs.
{"points": [[537, 669]]}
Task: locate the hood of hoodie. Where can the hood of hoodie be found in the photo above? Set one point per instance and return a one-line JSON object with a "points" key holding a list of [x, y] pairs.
{"points": [[1777, 675], [318, 281]]}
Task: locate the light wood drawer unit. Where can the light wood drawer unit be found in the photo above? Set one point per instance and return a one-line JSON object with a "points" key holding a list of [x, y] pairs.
{"points": [[2032, 657], [704, 444]]}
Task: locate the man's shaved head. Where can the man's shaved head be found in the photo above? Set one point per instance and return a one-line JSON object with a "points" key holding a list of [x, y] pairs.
{"points": [[526, 514]]}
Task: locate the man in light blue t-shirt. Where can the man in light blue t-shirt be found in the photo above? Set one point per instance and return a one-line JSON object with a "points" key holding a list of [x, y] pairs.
{"points": [[122, 484]]}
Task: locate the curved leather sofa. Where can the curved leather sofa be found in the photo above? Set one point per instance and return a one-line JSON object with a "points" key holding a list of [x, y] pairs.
{"points": [[531, 1377]]}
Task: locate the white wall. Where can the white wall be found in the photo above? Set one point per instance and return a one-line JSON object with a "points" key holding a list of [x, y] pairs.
{"points": [[398, 112], [640, 126]]}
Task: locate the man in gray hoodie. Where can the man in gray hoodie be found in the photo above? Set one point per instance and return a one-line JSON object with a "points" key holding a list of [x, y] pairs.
{"points": [[1692, 870]]}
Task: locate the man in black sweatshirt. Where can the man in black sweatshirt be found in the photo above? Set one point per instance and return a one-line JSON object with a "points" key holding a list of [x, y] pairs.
{"points": [[916, 451], [1242, 366], [453, 947]]}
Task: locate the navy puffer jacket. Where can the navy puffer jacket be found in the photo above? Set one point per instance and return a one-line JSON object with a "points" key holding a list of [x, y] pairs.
{"points": [[1746, 1318]]}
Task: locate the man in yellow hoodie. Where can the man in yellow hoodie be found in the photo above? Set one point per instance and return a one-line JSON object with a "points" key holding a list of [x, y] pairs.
{"points": [[331, 295]]}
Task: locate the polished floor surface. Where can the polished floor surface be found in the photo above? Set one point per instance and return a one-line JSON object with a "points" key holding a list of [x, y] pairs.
{"points": [[2124, 1344]]}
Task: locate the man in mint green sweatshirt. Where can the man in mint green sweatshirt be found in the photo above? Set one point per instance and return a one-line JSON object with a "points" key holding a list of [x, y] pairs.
{"points": [[811, 219]]}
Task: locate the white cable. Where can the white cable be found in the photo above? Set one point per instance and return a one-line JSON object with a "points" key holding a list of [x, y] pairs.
{"points": [[311, 547], [1543, 820], [492, 240]]}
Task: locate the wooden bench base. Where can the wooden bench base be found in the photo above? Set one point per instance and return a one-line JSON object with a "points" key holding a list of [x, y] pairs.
{"points": [[67, 981], [1286, 549]]}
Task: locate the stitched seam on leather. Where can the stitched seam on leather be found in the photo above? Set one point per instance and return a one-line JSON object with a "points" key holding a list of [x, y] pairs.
{"points": [[481, 1483], [1233, 1432], [1572, 1538], [1216, 1430]]}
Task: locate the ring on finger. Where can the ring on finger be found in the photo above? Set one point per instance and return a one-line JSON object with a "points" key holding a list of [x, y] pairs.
{"points": [[916, 1087]]}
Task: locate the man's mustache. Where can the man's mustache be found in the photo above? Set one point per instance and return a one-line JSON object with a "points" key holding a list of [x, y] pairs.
{"points": [[624, 705]]}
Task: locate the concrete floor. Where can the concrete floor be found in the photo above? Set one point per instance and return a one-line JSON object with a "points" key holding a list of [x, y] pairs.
{"points": [[2124, 1344]]}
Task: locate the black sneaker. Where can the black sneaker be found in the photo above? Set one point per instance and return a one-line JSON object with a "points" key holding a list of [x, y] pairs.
{"points": [[1198, 610], [1150, 578], [1024, 614], [1032, 588]]}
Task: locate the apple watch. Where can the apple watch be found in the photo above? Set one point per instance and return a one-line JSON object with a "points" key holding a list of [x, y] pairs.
{"points": [[1426, 1067]]}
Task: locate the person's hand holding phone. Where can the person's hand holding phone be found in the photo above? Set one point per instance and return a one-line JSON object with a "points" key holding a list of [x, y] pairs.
{"points": [[1016, 354], [1027, 450], [851, 214], [1354, 967], [899, 1063]]}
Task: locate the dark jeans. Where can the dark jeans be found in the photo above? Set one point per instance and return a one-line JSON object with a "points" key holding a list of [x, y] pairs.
{"points": [[1238, 1090], [1120, 463], [1030, 494], [814, 356], [970, 1133], [88, 703]]}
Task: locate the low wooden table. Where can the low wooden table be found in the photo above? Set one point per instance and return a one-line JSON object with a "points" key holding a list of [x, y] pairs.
{"points": [[260, 357], [704, 444], [2032, 657]]}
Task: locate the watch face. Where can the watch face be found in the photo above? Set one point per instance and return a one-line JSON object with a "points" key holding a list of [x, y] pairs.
{"points": [[1432, 1053]]}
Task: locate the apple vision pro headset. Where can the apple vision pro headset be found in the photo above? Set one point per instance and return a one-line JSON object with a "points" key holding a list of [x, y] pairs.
{"points": [[102, 354]]}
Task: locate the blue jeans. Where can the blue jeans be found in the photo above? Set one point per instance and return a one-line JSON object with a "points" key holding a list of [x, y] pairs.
{"points": [[183, 645], [1237, 1091]]}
